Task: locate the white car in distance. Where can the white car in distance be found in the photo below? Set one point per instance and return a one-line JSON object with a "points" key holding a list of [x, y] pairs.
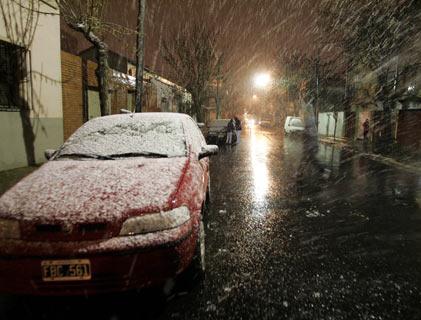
{"points": [[293, 125]]}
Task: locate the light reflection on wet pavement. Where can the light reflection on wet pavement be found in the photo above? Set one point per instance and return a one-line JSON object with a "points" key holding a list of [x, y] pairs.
{"points": [[282, 242]]}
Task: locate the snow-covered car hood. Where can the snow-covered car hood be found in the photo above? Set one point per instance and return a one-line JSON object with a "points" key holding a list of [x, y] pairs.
{"points": [[91, 191]]}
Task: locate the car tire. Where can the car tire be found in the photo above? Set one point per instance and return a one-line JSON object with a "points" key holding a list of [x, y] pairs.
{"points": [[194, 275], [196, 269], [198, 262]]}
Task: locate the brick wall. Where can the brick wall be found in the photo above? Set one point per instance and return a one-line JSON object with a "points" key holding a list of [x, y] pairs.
{"points": [[409, 130], [91, 74], [71, 73], [72, 88]]}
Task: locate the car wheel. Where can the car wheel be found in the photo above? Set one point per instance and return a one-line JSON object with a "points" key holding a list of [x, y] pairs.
{"points": [[194, 275], [198, 262], [196, 269]]}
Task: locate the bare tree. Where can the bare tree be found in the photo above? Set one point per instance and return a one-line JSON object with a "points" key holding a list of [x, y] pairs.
{"points": [[87, 17], [376, 37], [195, 62]]}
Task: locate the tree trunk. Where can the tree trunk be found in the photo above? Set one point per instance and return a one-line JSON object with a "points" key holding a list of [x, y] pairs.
{"points": [[102, 77], [197, 107], [101, 71], [140, 48], [335, 116], [218, 102], [198, 111]]}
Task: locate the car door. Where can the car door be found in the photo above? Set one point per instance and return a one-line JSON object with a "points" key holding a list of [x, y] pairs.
{"points": [[197, 141]]}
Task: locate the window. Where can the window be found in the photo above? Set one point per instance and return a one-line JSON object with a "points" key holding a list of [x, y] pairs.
{"points": [[12, 73], [196, 136]]}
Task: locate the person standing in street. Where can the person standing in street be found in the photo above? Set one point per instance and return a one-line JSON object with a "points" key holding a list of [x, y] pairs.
{"points": [[230, 131], [238, 128], [366, 128]]}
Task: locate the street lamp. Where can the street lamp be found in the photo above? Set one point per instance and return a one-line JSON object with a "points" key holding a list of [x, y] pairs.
{"points": [[262, 80]]}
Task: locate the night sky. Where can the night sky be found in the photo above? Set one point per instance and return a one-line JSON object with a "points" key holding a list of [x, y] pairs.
{"points": [[252, 31]]}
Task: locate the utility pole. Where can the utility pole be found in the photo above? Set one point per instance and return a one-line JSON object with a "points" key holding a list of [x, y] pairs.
{"points": [[316, 104], [218, 101], [140, 53], [218, 98]]}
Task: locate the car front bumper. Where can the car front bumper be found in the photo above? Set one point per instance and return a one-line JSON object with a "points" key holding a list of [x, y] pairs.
{"points": [[216, 137], [117, 264]]}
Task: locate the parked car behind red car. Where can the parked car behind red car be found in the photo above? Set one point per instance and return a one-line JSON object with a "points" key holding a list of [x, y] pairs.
{"points": [[118, 206]]}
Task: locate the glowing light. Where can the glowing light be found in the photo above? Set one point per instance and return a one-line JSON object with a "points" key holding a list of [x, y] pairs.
{"points": [[262, 80], [259, 149]]}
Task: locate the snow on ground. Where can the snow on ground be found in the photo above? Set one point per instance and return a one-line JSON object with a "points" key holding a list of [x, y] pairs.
{"points": [[314, 214]]}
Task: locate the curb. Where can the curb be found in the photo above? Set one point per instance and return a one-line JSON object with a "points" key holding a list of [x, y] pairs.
{"points": [[376, 157], [392, 162]]}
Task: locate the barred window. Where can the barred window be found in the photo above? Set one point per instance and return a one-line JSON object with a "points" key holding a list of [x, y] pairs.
{"points": [[12, 74]]}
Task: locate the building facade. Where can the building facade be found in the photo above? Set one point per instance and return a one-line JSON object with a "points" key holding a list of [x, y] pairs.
{"points": [[81, 96], [31, 115]]}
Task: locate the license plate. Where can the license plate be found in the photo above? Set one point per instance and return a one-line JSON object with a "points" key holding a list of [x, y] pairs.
{"points": [[66, 270]]}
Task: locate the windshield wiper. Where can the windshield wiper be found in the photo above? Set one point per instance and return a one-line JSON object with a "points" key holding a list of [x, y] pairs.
{"points": [[139, 154], [86, 155]]}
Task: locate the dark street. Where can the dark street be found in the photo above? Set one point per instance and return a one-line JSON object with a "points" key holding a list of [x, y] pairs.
{"points": [[210, 159], [283, 242]]}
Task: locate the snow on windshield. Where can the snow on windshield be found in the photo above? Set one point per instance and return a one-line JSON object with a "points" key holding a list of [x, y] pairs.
{"points": [[124, 134]]}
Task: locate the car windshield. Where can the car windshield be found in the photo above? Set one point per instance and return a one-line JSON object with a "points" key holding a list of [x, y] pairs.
{"points": [[126, 136]]}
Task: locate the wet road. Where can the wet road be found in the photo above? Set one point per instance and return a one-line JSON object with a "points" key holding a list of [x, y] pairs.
{"points": [[284, 242]]}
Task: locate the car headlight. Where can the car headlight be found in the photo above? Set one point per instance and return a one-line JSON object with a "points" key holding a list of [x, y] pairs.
{"points": [[155, 222], [9, 229]]}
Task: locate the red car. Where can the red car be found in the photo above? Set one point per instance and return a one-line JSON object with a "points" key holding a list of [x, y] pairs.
{"points": [[118, 206]]}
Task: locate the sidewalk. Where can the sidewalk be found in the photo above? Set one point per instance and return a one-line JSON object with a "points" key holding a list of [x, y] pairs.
{"points": [[401, 161], [11, 177]]}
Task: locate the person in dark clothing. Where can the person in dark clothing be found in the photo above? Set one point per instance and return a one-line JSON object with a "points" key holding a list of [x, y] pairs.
{"points": [[238, 128], [230, 131], [366, 128]]}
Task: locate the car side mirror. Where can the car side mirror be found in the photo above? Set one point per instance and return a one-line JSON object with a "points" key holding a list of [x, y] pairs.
{"points": [[49, 153], [208, 150]]}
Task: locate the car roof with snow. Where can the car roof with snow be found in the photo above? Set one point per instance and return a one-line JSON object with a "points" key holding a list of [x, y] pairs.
{"points": [[158, 133]]}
